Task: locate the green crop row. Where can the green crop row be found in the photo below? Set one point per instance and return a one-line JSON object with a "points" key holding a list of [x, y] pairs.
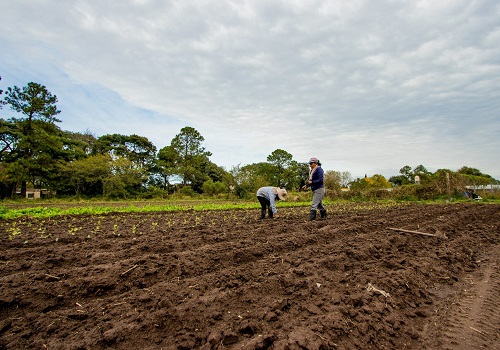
{"points": [[68, 208], [46, 212]]}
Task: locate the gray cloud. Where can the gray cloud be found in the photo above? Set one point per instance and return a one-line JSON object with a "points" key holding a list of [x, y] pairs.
{"points": [[366, 86]]}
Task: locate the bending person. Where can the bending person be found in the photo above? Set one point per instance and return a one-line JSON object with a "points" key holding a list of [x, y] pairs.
{"points": [[267, 197]]}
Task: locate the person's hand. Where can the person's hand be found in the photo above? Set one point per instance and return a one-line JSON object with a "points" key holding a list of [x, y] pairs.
{"points": [[276, 215]]}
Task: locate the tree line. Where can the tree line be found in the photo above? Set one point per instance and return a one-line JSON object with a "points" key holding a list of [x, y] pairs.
{"points": [[36, 153]]}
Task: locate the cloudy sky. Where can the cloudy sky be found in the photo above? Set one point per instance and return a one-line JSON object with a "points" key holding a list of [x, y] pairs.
{"points": [[366, 86]]}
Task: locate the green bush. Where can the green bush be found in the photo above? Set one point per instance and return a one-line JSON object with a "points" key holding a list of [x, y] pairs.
{"points": [[114, 188], [154, 192], [212, 188], [186, 191]]}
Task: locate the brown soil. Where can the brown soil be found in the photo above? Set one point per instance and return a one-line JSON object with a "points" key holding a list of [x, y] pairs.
{"points": [[225, 280]]}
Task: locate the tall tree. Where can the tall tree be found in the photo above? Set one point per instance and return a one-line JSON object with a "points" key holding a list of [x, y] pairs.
{"points": [[345, 179], [138, 149], [407, 174], [191, 156], [281, 160], [475, 177], [250, 177], [471, 171], [336, 180], [126, 179], [333, 181], [85, 176], [36, 103], [84, 141], [296, 175], [133, 159], [164, 168]]}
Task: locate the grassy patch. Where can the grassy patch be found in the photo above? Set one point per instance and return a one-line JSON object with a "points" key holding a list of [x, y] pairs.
{"points": [[69, 208]]}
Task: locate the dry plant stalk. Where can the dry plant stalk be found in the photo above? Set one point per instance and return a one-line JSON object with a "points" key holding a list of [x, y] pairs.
{"points": [[437, 234], [133, 267], [371, 287]]}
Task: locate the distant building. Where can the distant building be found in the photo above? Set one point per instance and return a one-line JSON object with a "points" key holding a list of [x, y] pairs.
{"points": [[492, 188], [35, 193]]}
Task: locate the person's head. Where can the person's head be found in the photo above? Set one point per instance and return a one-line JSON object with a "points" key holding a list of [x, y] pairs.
{"points": [[280, 192], [313, 162]]}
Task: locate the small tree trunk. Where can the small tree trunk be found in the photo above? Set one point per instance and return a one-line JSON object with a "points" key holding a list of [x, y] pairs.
{"points": [[23, 189]]}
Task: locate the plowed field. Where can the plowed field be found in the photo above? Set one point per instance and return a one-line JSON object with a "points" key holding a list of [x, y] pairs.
{"points": [[226, 280]]}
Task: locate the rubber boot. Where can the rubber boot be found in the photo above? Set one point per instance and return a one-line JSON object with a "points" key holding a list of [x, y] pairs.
{"points": [[312, 215], [322, 213], [270, 212], [262, 214]]}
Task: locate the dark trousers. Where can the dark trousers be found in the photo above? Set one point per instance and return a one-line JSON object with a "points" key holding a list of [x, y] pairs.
{"points": [[265, 204]]}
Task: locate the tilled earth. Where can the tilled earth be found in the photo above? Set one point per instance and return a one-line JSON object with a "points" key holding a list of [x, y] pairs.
{"points": [[225, 280]]}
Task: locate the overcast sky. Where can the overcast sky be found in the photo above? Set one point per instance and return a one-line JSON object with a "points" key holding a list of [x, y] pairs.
{"points": [[366, 86]]}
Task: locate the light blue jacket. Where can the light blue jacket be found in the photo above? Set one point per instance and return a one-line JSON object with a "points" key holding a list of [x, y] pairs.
{"points": [[267, 193]]}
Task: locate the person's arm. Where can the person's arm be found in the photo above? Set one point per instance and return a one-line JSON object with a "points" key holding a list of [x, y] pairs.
{"points": [[309, 179], [272, 201]]}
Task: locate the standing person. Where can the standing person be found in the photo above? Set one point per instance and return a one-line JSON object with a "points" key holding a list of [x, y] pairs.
{"points": [[317, 183], [267, 197]]}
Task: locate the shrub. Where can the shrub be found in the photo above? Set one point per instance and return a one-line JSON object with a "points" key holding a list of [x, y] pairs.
{"points": [[154, 192], [114, 188], [213, 188], [187, 191]]}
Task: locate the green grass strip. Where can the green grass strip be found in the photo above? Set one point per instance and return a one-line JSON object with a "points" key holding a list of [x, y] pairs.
{"points": [[46, 212]]}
